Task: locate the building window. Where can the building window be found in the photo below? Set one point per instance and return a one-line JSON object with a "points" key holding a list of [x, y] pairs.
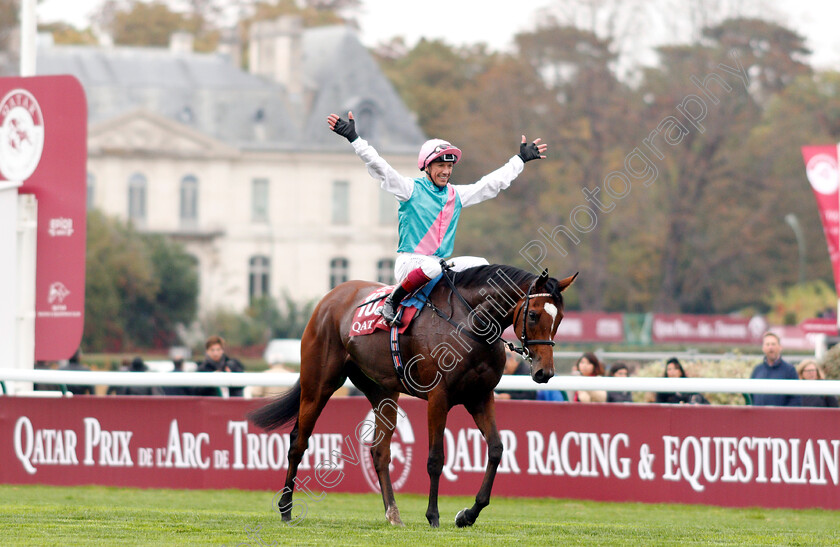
{"points": [[387, 208], [189, 200], [259, 276], [91, 189], [259, 200], [341, 202], [137, 199], [338, 271], [385, 271]]}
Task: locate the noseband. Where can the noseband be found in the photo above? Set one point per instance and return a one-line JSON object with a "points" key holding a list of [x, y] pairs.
{"points": [[523, 310]]}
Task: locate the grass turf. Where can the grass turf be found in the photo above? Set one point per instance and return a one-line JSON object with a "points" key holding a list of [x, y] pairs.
{"points": [[93, 515]]}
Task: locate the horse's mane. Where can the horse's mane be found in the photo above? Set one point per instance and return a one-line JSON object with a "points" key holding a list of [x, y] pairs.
{"points": [[479, 276]]}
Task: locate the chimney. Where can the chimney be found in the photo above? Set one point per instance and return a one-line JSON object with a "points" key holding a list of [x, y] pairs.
{"points": [[181, 43], [275, 51], [230, 48]]}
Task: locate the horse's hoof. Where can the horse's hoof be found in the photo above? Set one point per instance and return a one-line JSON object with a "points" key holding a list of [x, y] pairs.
{"points": [[434, 523], [461, 519], [393, 516]]}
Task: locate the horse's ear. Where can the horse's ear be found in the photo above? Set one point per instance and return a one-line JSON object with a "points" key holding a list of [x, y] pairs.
{"points": [[564, 283], [541, 281]]}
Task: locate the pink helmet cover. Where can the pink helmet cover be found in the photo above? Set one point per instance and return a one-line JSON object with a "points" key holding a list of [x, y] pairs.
{"points": [[433, 149]]}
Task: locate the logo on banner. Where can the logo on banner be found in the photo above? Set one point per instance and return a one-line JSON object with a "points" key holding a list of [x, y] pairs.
{"points": [[58, 292], [402, 449], [61, 227], [823, 174], [757, 326], [21, 135]]}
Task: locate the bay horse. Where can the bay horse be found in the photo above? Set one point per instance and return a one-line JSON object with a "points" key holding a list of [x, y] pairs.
{"points": [[457, 359]]}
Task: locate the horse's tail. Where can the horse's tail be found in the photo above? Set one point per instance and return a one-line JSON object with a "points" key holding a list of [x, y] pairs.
{"points": [[279, 412]]}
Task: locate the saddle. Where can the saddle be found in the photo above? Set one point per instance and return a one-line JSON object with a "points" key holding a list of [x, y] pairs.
{"points": [[367, 318]]}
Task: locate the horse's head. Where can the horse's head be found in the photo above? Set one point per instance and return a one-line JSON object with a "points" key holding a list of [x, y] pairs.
{"points": [[535, 321]]}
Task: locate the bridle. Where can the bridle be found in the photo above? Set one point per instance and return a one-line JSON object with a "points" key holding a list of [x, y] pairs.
{"points": [[523, 311]]}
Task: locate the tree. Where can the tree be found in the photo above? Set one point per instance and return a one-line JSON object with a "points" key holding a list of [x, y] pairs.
{"points": [[138, 23], [710, 189], [772, 54], [65, 34], [9, 37], [262, 321], [594, 123], [137, 287]]}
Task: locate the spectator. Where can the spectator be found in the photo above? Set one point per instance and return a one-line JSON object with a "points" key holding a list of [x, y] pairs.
{"points": [[810, 370], [674, 369], [619, 370], [124, 367], [589, 365], [515, 366], [137, 365], [271, 391], [74, 364], [180, 391], [773, 367], [215, 360], [43, 365]]}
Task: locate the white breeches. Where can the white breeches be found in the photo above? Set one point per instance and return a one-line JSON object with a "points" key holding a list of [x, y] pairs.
{"points": [[407, 262]]}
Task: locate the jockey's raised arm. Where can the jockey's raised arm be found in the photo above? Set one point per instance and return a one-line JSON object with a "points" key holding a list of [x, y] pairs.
{"points": [[429, 205]]}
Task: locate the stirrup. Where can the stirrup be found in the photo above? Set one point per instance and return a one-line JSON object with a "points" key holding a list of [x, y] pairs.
{"points": [[393, 320]]}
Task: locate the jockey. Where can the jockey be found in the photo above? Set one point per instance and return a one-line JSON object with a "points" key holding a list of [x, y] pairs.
{"points": [[430, 206]]}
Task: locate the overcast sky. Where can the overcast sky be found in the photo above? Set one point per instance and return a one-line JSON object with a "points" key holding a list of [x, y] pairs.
{"points": [[496, 21]]}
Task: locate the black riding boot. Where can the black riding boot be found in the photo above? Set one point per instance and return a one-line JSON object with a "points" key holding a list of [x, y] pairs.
{"points": [[389, 307]]}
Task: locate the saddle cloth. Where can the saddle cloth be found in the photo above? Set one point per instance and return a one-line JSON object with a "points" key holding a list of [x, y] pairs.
{"points": [[367, 318]]}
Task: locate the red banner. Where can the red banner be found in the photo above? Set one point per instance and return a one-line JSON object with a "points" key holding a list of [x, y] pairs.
{"points": [[44, 138], [698, 329], [717, 455], [824, 177], [586, 327], [819, 326]]}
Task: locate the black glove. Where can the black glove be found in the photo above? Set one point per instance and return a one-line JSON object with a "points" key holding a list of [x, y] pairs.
{"points": [[528, 151], [346, 129]]}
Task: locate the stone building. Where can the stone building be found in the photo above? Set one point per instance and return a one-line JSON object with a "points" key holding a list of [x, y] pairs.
{"points": [[241, 166]]}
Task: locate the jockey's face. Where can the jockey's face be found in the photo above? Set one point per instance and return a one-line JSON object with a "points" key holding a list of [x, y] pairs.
{"points": [[439, 172]]}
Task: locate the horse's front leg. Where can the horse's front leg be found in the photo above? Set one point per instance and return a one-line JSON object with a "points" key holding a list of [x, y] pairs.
{"points": [[436, 412], [484, 414], [386, 421]]}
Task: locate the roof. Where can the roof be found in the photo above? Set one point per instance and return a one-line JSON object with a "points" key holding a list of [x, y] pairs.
{"points": [[209, 94]]}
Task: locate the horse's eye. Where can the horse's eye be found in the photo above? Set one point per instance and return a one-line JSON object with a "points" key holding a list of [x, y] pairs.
{"points": [[532, 315]]}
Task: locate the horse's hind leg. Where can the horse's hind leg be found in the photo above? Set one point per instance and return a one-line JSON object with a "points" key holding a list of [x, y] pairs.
{"points": [[484, 414], [321, 374], [385, 411]]}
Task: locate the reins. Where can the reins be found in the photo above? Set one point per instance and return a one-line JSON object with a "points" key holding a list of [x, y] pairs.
{"points": [[523, 309]]}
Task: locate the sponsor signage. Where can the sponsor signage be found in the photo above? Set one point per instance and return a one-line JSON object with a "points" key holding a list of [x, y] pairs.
{"points": [[824, 178], [717, 329], [43, 143], [586, 327], [716, 455]]}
